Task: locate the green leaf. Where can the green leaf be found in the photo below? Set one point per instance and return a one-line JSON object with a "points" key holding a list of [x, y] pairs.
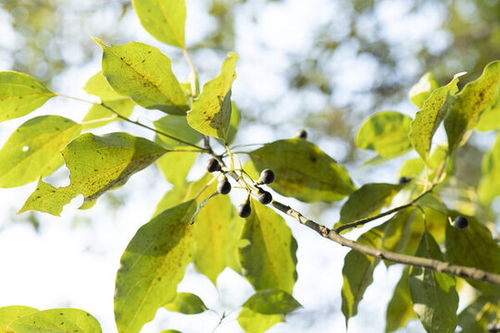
{"points": [[303, 171], [217, 232], [475, 247], [427, 120], [96, 164], [477, 315], [386, 133], [98, 115], [182, 193], [8, 314], [170, 331], [186, 303], [175, 166], [56, 320], [373, 196], [272, 301], [152, 265], [211, 111], [433, 294], [358, 272], [144, 74], [269, 258], [21, 94], [422, 89], [412, 167], [254, 322], [178, 127], [489, 119], [33, 150], [164, 20], [474, 98], [397, 231], [489, 186], [234, 123], [399, 310]]}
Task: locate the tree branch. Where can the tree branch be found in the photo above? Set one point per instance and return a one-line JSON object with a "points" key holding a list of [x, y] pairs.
{"points": [[376, 217], [436, 265]]}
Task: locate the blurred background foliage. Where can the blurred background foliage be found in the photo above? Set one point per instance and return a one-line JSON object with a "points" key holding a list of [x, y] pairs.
{"points": [[357, 58]]}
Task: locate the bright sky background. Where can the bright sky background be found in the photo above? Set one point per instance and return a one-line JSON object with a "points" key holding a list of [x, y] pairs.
{"points": [[72, 262]]}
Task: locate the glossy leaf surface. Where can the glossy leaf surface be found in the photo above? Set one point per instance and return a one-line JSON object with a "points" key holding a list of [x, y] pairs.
{"points": [[186, 303]]}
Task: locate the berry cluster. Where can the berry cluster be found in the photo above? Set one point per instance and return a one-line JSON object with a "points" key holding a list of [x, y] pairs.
{"points": [[224, 186]]}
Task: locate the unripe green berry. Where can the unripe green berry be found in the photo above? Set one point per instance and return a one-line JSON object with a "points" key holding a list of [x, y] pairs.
{"points": [[265, 197], [404, 180], [213, 165], [224, 186], [244, 209], [460, 222], [302, 134], [266, 176]]}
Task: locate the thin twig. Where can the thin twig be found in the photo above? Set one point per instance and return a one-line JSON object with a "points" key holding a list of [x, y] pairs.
{"points": [[376, 217]]}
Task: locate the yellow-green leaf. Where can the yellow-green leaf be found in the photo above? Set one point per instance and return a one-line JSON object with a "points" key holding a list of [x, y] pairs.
{"points": [[358, 272], [474, 98], [478, 315], [96, 164], [8, 314], [386, 133], [422, 89], [20, 94], [178, 127], [475, 247], [433, 294], [211, 111], [175, 166], [34, 149], [55, 320], [151, 267], [269, 258], [144, 74], [217, 232], [164, 20], [399, 310], [303, 171], [489, 119], [186, 303], [272, 301], [489, 187], [254, 322], [427, 120], [98, 115], [373, 196]]}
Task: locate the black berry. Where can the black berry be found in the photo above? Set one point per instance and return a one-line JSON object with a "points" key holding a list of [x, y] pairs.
{"points": [[404, 180], [460, 222], [244, 209], [302, 134], [265, 197], [224, 186], [266, 176], [213, 165]]}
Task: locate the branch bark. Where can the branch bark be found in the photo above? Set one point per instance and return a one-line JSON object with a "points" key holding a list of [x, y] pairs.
{"points": [[436, 265]]}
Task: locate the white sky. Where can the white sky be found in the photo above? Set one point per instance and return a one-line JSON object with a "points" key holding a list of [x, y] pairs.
{"points": [[74, 266]]}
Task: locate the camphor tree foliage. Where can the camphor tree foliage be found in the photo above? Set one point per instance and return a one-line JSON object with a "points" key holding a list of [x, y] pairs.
{"points": [[440, 245]]}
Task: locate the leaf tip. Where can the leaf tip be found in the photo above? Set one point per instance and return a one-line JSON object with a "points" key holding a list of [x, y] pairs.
{"points": [[99, 42]]}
